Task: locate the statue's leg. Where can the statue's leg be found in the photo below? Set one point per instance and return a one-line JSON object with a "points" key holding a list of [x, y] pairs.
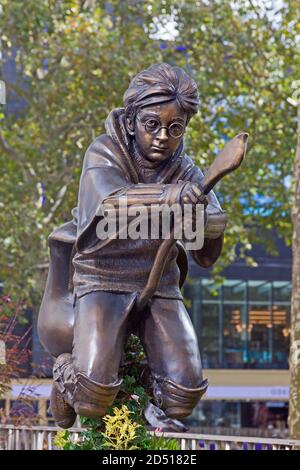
{"points": [[173, 354], [88, 380]]}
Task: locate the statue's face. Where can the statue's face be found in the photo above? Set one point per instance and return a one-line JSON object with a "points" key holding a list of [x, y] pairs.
{"points": [[158, 130]]}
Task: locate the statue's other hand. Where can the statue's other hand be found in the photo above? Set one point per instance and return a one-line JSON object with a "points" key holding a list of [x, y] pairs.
{"points": [[215, 224]]}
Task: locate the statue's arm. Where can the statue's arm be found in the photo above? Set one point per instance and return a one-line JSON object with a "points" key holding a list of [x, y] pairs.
{"points": [[209, 253]]}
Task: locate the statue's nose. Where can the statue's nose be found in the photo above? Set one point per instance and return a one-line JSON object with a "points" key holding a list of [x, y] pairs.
{"points": [[162, 135]]}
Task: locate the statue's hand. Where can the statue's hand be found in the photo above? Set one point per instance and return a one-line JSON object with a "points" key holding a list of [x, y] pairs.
{"points": [[193, 194], [191, 197]]}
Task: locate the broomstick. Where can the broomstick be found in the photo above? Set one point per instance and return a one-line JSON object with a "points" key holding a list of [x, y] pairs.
{"points": [[228, 160]]}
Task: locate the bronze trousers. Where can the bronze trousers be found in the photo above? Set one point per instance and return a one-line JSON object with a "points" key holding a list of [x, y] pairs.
{"points": [[103, 321], [88, 377]]}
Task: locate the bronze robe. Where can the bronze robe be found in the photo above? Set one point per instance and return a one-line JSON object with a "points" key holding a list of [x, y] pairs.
{"points": [[81, 263]]}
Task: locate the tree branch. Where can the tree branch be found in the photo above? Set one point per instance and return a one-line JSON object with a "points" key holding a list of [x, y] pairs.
{"points": [[11, 152], [57, 203]]}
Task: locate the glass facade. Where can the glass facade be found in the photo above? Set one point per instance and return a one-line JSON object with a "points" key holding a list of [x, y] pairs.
{"points": [[269, 418], [223, 414], [241, 324]]}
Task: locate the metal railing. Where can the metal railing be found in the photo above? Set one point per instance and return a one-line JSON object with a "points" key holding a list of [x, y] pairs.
{"points": [[42, 438], [269, 433], [31, 437]]}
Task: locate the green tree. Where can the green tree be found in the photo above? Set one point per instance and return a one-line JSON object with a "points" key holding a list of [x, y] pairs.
{"points": [[244, 61], [77, 58]]}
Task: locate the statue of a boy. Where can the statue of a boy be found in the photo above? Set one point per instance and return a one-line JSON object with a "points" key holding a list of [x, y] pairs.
{"points": [[88, 309]]}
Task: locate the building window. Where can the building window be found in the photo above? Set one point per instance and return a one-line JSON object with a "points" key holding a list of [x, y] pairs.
{"points": [[264, 418], [241, 324], [211, 414]]}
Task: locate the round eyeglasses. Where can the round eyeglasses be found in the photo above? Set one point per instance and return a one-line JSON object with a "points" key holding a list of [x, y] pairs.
{"points": [[152, 126]]}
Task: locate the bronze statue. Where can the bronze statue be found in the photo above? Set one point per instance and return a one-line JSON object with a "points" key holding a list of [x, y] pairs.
{"points": [[99, 291]]}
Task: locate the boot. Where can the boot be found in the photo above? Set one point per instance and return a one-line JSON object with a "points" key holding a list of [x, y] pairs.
{"points": [[62, 412]]}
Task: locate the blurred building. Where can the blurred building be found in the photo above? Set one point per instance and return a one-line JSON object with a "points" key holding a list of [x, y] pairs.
{"points": [[243, 328]]}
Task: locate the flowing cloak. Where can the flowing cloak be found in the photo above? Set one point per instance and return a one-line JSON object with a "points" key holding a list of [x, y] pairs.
{"points": [[80, 262]]}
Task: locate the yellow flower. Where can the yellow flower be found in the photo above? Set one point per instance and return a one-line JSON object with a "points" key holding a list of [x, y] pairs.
{"points": [[120, 430], [61, 439]]}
